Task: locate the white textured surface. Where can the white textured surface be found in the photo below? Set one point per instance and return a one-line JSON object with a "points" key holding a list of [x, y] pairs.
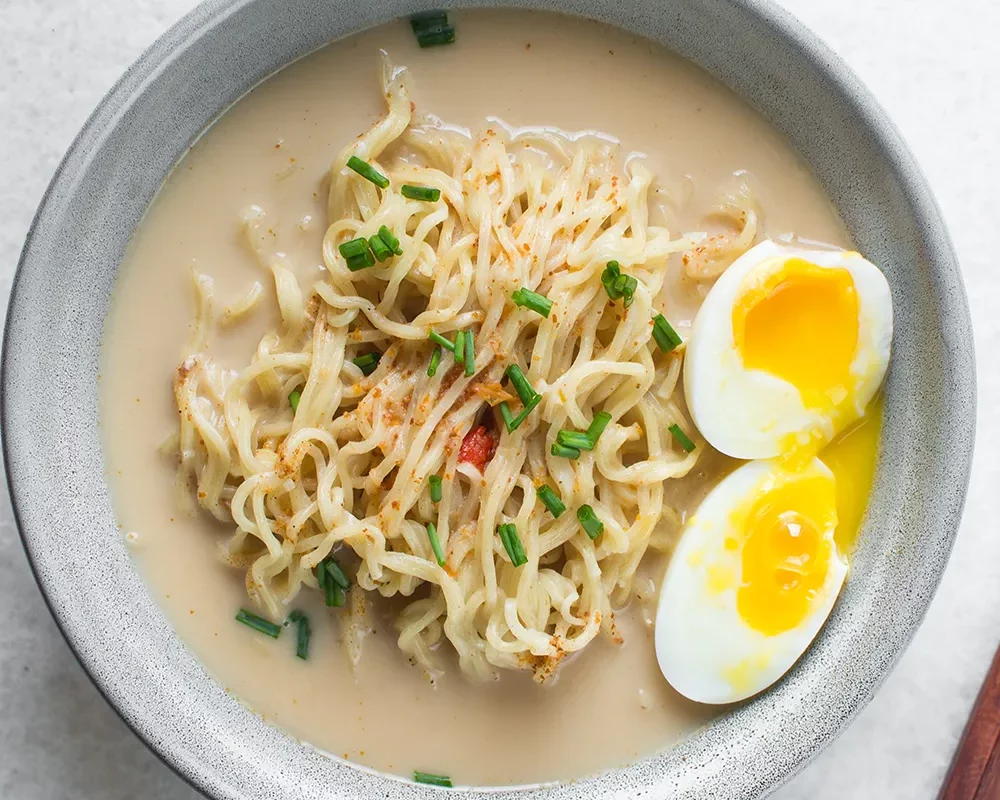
{"points": [[931, 64]]}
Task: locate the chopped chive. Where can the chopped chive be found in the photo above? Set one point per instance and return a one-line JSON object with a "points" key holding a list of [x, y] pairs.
{"points": [[321, 575], [425, 193], [513, 423], [432, 368], [512, 544], [631, 284], [302, 639], [521, 386], [436, 35], [336, 574], [470, 353], [391, 241], [460, 347], [432, 534], [682, 438], [293, 400], [447, 344], [355, 247], [359, 262], [334, 594], [435, 483], [574, 439], [597, 426], [428, 19], [381, 250], [538, 303], [562, 451], [367, 363], [295, 616], [618, 285], [666, 337], [551, 500], [367, 171], [260, 624], [432, 780], [611, 273], [588, 519], [508, 417]]}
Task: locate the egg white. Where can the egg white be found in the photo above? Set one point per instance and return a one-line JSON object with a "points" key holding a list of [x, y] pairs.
{"points": [[752, 414], [704, 647]]}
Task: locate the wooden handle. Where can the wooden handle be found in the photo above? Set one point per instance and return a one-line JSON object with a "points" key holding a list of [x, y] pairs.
{"points": [[975, 770]]}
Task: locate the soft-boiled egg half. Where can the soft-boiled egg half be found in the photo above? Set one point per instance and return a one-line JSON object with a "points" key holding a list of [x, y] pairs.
{"points": [[788, 348], [751, 582]]}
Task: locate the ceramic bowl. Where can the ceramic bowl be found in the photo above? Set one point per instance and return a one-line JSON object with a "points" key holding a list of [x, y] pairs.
{"points": [[53, 452]]}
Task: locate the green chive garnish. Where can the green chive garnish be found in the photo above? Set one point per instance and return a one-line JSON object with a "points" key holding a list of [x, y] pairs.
{"points": [[293, 400], [585, 441], [521, 386], [432, 368], [431, 35], [381, 250], [512, 544], [470, 353], [321, 575], [295, 616], [420, 193], [597, 426], [551, 500], [432, 534], [611, 273], [336, 574], [432, 780], [302, 639], [447, 344], [367, 363], [538, 303], [355, 247], [574, 439], [391, 241], [459, 350], [367, 171], [334, 594], [435, 483], [588, 519], [666, 337], [631, 284], [428, 19], [265, 626], [562, 451], [681, 437], [508, 417], [362, 261], [511, 422], [617, 285]]}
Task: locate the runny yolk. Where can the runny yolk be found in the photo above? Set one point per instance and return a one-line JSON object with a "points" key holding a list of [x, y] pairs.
{"points": [[852, 457], [786, 552], [800, 323]]}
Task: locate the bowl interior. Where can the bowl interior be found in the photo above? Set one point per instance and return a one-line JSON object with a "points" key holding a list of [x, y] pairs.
{"points": [[107, 181]]}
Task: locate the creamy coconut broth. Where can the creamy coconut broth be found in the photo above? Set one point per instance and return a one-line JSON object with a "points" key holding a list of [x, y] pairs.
{"points": [[273, 149]]}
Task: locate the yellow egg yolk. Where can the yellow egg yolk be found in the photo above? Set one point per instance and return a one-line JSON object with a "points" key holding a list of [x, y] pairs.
{"points": [[787, 547], [852, 457], [800, 324]]}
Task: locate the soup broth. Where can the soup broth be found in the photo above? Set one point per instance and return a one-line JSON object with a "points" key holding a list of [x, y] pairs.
{"points": [[274, 149]]}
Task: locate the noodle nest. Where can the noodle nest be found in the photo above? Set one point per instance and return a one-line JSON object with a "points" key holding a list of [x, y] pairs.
{"points": [[347, 471]]}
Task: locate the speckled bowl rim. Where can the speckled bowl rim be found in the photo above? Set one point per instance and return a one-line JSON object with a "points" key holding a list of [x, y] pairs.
{"points": [[745, 755]]}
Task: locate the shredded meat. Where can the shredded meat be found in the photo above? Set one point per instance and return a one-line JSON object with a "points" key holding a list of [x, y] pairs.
{"points": [[478, 447]]}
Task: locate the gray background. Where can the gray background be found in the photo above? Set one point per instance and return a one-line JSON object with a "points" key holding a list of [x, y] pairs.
{"points": [[932, 66]]}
